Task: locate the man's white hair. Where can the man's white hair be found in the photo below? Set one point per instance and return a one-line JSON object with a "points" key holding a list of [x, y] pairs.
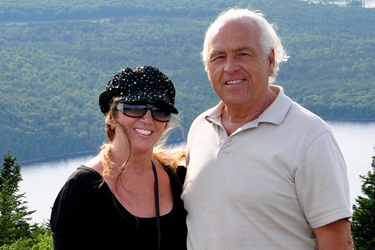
{"points": [[268, 39]]}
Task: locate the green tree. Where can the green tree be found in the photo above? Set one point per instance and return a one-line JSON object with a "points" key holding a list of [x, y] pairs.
{"points": [[363, 225], [14, 216], [41, 239]]}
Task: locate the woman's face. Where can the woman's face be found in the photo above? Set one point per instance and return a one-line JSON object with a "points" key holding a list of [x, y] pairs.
{"points": [[142, 133]]}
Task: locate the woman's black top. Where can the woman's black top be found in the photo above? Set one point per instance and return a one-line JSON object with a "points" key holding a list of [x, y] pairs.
{"points": [[87, 216]]}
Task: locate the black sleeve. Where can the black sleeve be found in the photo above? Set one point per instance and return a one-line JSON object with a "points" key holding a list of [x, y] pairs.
{"points": [[69, 212]]}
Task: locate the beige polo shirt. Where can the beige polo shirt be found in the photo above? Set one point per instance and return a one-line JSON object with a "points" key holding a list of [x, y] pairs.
{"points": [[267, 184]]}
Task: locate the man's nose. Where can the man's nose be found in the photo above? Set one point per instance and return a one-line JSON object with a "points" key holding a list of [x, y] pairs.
{"points": [[231, 65]]}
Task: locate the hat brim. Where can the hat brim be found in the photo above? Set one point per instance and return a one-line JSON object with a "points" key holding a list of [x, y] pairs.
{"points": [[140, 96]]}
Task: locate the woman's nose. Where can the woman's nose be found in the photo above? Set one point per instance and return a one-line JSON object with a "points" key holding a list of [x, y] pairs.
{"points": [[147, 118]]}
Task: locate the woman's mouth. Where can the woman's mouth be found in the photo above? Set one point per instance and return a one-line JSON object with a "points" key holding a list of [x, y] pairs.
{"points": [[143, 131]]}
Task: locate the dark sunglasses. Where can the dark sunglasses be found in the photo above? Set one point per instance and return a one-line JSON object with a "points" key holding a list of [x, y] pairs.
{"points": [[159, 112]]}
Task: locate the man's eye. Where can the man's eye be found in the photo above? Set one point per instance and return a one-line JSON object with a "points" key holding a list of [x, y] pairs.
{"points": [[216, 58]]}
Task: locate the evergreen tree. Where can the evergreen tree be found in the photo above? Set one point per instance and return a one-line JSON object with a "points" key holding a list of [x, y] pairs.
{"points": [[363, 225], [13, 210]]}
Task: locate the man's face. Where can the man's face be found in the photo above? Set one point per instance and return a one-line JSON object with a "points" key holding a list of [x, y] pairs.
{"points": [[238, 69]]}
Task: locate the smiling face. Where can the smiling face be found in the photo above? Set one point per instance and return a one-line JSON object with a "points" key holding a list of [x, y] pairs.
{"points": [[142, 133], [238, 69]]}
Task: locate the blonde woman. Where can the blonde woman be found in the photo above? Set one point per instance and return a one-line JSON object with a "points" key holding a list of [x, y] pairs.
{"points": [[128, 196]]}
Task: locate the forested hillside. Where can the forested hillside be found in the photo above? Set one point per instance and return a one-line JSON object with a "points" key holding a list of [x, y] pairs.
{"points": [[56, 57]]}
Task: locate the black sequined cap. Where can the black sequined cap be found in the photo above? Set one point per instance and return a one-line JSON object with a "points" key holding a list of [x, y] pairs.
{"points": [[141, 84]]}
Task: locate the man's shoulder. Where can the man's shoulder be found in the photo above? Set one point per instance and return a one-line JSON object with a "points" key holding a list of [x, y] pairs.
{"points": [[305, 113], [306, 118]]}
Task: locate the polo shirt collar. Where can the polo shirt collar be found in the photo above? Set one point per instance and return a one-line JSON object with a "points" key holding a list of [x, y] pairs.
{"points": [[274, 114]]}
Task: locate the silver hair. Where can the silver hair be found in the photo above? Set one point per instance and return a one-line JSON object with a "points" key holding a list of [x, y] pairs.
{"points": [[268, 40]]}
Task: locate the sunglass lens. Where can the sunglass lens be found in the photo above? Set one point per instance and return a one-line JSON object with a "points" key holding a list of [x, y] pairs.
{"points": [[161, 114], [135, 111]]}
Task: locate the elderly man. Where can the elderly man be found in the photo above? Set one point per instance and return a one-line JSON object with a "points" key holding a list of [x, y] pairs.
{"points": [[263, 172]]}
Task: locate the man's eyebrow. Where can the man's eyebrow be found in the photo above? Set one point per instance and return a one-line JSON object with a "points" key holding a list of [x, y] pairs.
{"points": [[215, 52], [244, 48]]}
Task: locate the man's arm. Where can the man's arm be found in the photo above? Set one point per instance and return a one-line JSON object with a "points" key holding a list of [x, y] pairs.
{"points": [[335, 236]]}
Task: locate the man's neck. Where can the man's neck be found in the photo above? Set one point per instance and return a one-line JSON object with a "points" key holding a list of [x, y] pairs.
{"points": [[234, 117]]}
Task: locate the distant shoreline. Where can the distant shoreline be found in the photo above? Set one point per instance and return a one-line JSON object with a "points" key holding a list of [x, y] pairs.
{"points": [[330, 119], [342, 3], [56, 158]]}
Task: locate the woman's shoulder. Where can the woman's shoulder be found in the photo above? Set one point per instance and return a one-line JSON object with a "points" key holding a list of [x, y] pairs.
{"points": [[84, 174]]}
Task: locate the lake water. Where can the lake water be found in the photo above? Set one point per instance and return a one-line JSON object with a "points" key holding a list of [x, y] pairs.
{"points": [[42, 182]]}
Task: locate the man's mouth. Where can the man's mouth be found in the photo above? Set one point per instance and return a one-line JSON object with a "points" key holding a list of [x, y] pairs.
{"points": [[233, 82]]}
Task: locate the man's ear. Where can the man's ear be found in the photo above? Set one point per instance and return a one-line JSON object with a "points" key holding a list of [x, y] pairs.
{"points": [[271, 62]]}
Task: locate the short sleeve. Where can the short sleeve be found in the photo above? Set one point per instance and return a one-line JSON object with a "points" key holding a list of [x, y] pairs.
{"points": [[322, 183]]}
